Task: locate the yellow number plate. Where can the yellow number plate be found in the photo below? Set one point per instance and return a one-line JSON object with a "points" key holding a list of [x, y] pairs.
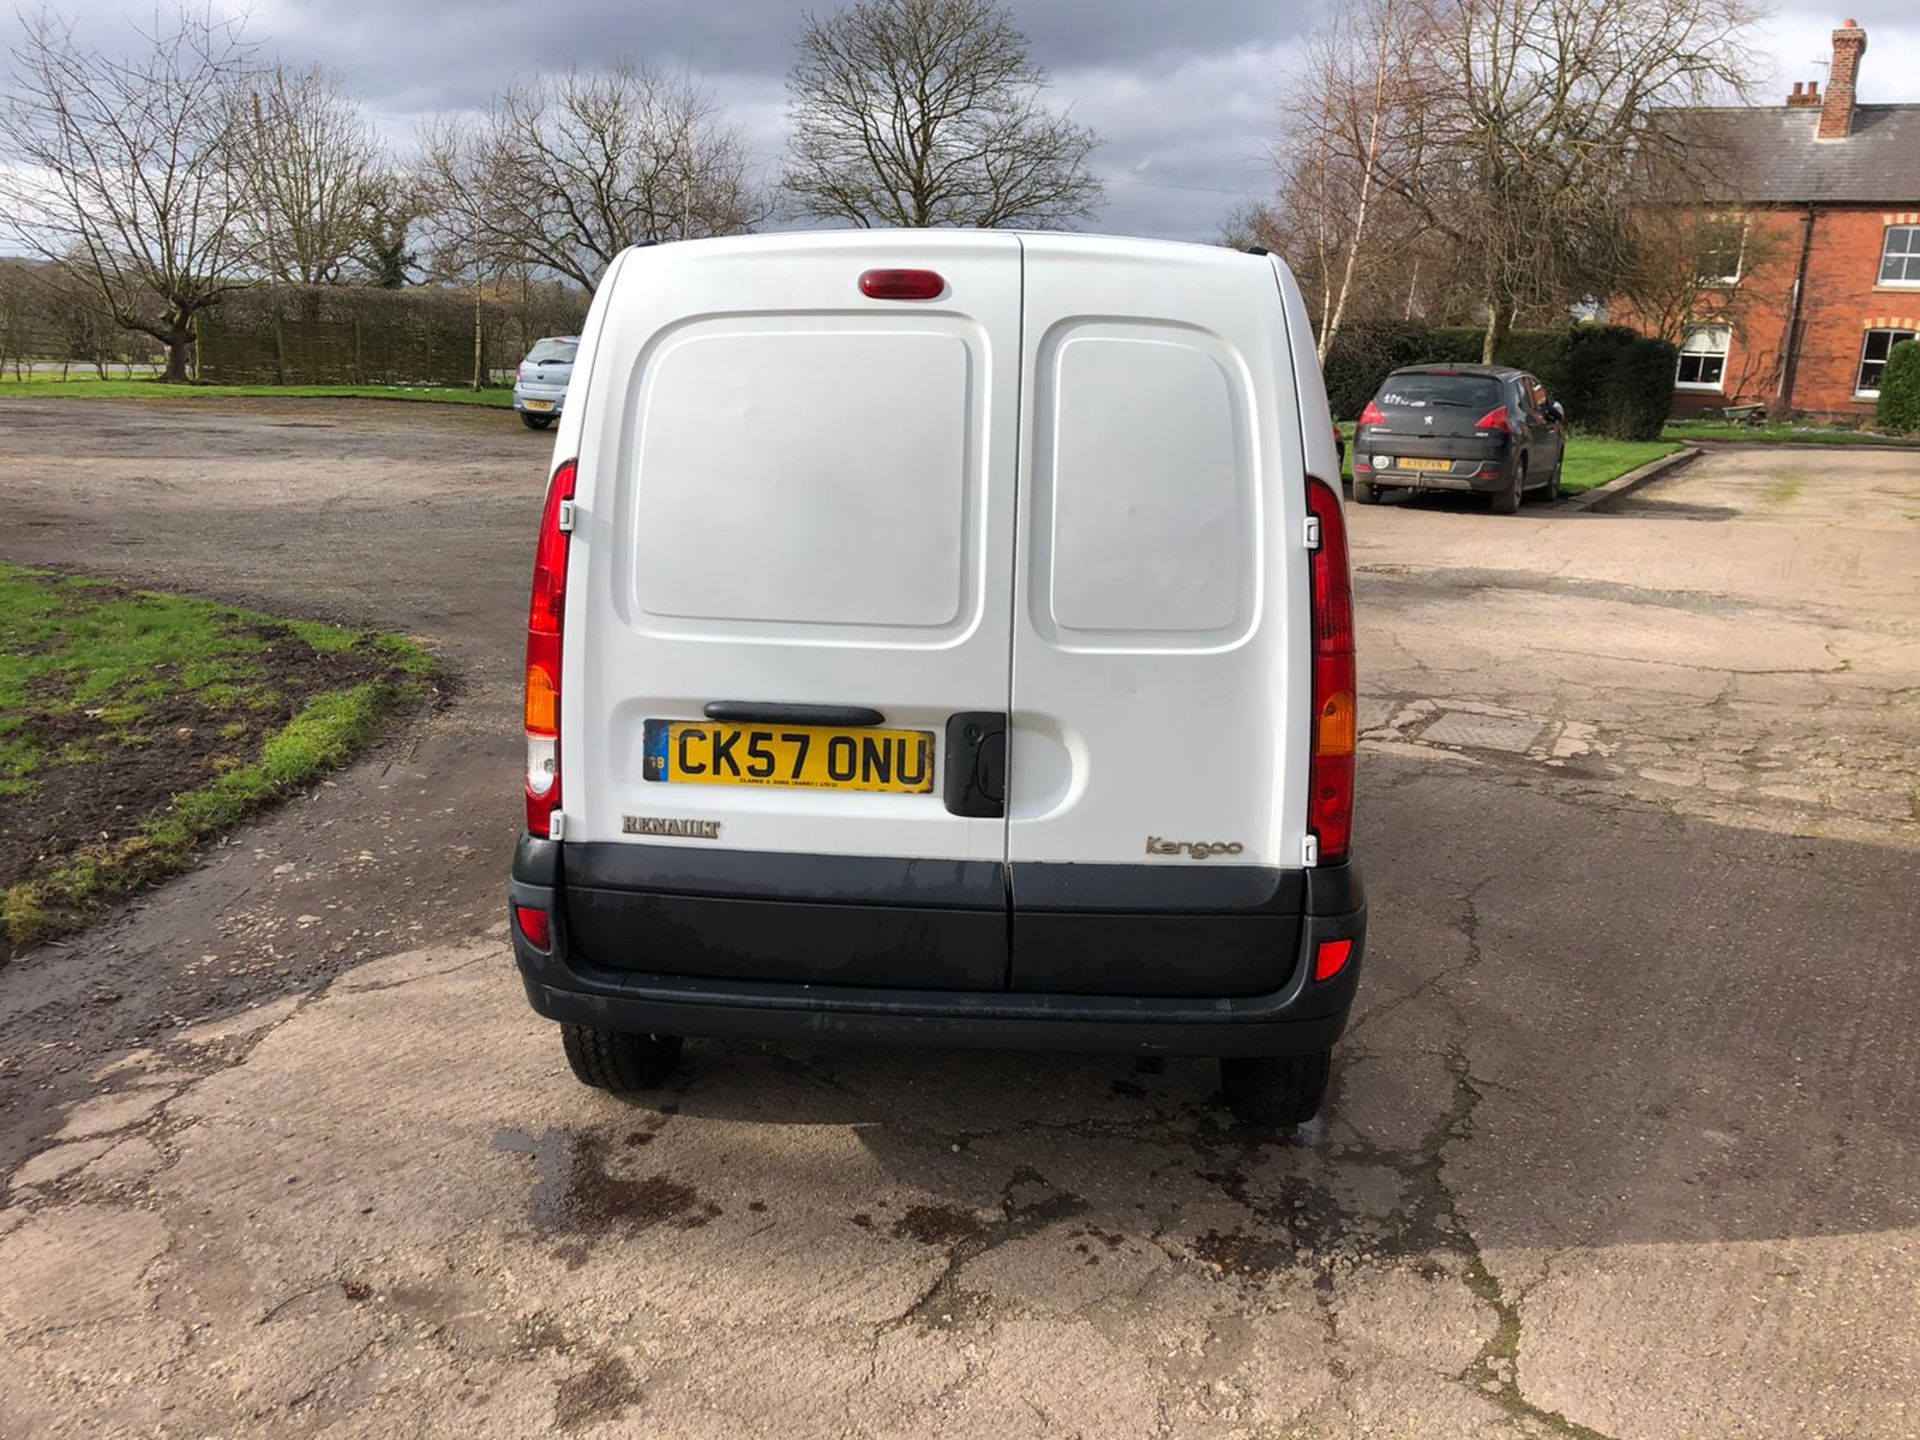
{"points": [[810, 757], [1408, 464], [537, 404]]}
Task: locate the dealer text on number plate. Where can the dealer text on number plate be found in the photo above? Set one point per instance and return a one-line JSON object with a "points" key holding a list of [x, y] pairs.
{"points": [[810, 757]]}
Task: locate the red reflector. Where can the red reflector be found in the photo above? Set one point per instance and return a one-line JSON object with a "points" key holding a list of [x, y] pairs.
{"points": [[1328, 961], [533, 925], [902, 285]]}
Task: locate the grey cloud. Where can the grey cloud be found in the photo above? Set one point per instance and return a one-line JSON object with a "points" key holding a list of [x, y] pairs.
{"points": [[1182, 92]]}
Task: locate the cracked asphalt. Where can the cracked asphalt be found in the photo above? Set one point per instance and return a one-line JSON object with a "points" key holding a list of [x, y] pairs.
{"points": [[1622, 1141]]}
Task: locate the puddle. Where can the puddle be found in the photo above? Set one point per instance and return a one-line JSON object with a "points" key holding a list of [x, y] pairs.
{"points": [[938, 1225], [596, 1394], [577, 1194]]}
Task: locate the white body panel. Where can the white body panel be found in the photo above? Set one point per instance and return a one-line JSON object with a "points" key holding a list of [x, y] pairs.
{"points": [[789, 493], [1070, 489], [1160, 667]]}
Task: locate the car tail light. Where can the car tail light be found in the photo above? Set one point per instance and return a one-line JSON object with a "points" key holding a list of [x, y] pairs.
{"points": [[1330, 776], [902, 284], [1328, 960], [534, 925], [1495, 420], [544, 615], [1371, 415]]}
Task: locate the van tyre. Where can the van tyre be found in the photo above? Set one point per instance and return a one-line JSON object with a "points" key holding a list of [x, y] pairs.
{"points": [[615, 1060], [535, 422], [1276, 1091], [1364, 493], [1507, 501]]}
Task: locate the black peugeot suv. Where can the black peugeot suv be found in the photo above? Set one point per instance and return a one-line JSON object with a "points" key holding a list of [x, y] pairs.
{"points": [[1484, 428]]}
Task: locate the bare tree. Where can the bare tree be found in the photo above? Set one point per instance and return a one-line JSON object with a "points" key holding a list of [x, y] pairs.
{"points": [[120, 170], [1366, 59], [1556, 119], [929, 112], [565, 172], [20, 330], [1524, 132], [310, 169]]}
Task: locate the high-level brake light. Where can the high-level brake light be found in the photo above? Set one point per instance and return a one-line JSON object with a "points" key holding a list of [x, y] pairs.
{"points": [[902, 285]]}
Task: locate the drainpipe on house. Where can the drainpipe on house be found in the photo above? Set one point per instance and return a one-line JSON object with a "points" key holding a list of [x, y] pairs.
{"points": [[1790, 362]]}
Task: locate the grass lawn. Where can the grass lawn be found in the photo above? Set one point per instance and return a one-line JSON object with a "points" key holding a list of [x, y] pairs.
{"points": [[1593, 462], [91, 387], [1690, 430], [136, 726]]}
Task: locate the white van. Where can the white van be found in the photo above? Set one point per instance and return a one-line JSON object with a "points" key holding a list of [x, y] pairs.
{"points": [[944, 638]]}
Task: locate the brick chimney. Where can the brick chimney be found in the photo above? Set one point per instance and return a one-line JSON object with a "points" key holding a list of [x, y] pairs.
{"points": [[1836, 112], [1805, 95]]}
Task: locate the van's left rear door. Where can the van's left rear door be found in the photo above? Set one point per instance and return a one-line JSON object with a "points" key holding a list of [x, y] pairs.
{"points": [[795, 503]]}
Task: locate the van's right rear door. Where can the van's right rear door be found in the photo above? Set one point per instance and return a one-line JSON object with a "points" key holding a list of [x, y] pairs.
{"points": [[1161, 684]]}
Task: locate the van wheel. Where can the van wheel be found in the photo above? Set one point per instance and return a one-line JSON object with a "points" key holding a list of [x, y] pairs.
{"points": [[615, 1060], [1364, 493], [535, 422], [1507, 501], [1276, 1091]]}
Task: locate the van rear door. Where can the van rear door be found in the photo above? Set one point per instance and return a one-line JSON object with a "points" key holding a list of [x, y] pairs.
{"points": [[1161, 680], [792, 568]]}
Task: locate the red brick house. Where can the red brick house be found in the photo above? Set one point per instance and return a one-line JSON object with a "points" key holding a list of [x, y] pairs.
{"points": [[1810, 270]]}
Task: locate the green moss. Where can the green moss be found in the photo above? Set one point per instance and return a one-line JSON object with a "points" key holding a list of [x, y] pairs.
{"points": [[93, 651]]}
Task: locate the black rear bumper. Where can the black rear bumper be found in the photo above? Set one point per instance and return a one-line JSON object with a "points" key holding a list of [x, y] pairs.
{"points": [[1187, 960]]}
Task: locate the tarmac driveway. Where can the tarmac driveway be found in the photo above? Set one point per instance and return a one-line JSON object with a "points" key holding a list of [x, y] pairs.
{"points": [[1622, 1144]]}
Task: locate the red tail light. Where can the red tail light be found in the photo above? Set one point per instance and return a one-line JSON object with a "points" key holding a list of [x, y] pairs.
{"points": [[1495, 420], [1371, 415], [1328, 961], [535, 925], [902, 285], [1330, 777], [544, 616]]}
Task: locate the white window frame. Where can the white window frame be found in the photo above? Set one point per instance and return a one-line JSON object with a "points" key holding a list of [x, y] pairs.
{"points": [[1739, 254], [1910, 255], [1866, 336], [1712, 387]]}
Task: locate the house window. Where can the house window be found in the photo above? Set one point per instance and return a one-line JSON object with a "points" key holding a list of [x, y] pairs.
{"points": [[1873, 358], [1703, 358], [1900, 261], [1719, 243]]}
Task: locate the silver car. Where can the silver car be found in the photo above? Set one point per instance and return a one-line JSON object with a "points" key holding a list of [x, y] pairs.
{"points": [[540, 384]]}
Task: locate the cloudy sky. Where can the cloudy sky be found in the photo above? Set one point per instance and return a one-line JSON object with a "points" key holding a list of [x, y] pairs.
{"points": [[1184, 91]]}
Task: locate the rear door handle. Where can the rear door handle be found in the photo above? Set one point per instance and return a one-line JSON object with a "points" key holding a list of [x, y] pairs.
{"points": [[761, 712], [976, 782]]}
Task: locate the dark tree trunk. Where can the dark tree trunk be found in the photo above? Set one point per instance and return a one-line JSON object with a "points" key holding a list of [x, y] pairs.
{"points": [[1499, 315], [179, 349]]}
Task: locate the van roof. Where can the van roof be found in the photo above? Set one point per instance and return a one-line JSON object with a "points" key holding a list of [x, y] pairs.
{"points": [[1109, 246]]}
